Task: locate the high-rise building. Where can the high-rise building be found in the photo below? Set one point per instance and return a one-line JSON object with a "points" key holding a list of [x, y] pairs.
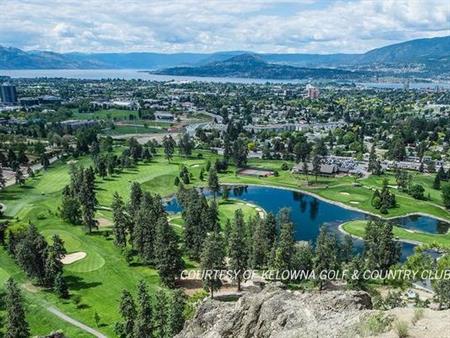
{"points": [[8, 93], [312, 92]]}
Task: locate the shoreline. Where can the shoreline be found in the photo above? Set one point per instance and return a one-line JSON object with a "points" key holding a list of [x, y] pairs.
{"points": [[340, 204], [342, 230]]}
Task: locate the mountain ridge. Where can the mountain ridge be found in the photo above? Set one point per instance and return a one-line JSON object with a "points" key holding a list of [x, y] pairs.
{"points": [[432, 53], [251, 65]]}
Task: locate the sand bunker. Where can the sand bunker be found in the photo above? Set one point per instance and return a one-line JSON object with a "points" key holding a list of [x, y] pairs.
{"points": [[73, 257], [344, 193], [103, 222], [354, 202]]}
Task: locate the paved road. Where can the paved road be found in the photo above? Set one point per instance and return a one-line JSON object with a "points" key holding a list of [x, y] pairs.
{"points": [[76, 323]]}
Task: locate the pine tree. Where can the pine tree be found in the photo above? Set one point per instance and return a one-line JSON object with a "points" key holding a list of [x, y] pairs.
{"points": [[70, 210], [2, 179], [185, 144], [326, 254], [168, 256], [261, 246], [316, 163], [60, 287], [354, 278], [143, 323], [286, 244], [31, 252], [213, 181], [237, 247], [380, 249], [134, 204], [127, 310], [346, 253], [169, 147], [175, 316], [212, 216], [160, 315], [212, 259], [144, 229], [88, 200], [16, 324], [194, 223], [437, 182], [53, 266], [121, 222]]}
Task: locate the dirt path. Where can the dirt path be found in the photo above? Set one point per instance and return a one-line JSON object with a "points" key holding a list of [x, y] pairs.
{"points": [[75, 322]]}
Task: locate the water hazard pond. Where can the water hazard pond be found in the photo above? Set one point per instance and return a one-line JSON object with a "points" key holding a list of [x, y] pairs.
{"points": [[309, 213]]}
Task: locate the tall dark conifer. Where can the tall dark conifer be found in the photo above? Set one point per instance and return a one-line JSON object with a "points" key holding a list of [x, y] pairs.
{"points": [[16, 324]]}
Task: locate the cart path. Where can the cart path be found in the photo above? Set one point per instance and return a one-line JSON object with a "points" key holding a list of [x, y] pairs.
{"points": [[75, 322]]}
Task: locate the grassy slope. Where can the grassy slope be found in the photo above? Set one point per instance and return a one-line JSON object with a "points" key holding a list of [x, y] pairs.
{"points": [[358, 228]]}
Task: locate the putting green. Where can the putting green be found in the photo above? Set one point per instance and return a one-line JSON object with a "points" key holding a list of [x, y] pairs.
{"points": [[93, 261]]}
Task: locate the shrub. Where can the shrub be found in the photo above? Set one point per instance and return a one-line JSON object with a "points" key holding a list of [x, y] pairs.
{"points": [[418, 315], [376, 324], [401, 329]]}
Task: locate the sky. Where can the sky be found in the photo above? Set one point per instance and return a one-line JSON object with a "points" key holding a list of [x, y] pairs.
{"points": [[305, 26]]}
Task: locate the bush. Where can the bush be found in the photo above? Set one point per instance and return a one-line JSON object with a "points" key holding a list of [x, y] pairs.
{"points": [[418, 315], [284, 166], [401, 328], [376, 324]]}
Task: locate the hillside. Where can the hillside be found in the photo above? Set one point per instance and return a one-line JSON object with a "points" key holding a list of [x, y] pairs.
{"points": [[432, 56], [253, 66], [414, 51]]}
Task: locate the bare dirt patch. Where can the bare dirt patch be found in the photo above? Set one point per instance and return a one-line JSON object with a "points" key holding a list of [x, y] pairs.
{"points": [[73, 257]]}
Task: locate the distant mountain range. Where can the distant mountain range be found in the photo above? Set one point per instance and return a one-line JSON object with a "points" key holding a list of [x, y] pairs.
{"points": [[253, 66], [427, 56]]}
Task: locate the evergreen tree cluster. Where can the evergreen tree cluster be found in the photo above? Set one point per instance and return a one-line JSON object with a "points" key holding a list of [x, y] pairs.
{"points": [[79, 198], [16, 325], [384, 200], [143, 225], [160, 316], [38, 259]]}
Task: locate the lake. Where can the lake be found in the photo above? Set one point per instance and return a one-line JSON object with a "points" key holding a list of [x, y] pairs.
{"points": [[309, 213], [136, 74]]}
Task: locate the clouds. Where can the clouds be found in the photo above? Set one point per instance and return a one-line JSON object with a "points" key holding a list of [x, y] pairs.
{"points": [[322, 26]]}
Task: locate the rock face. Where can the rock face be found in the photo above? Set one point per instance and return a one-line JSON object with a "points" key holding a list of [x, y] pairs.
{"points": [[275, 312]]}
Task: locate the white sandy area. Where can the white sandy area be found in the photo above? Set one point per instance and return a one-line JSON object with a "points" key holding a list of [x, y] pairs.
{"points": [[73, 257]]}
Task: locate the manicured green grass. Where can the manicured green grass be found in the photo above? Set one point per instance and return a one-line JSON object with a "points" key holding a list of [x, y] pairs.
{"points": [[227, 210], [122, 130], [358, 228], [106, 114]]}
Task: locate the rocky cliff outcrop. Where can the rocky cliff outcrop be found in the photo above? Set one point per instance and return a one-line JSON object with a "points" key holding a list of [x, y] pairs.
{"points": [[275, 312]]}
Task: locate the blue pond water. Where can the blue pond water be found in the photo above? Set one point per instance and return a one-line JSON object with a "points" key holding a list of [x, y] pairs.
{"points": [[309, 214]]}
